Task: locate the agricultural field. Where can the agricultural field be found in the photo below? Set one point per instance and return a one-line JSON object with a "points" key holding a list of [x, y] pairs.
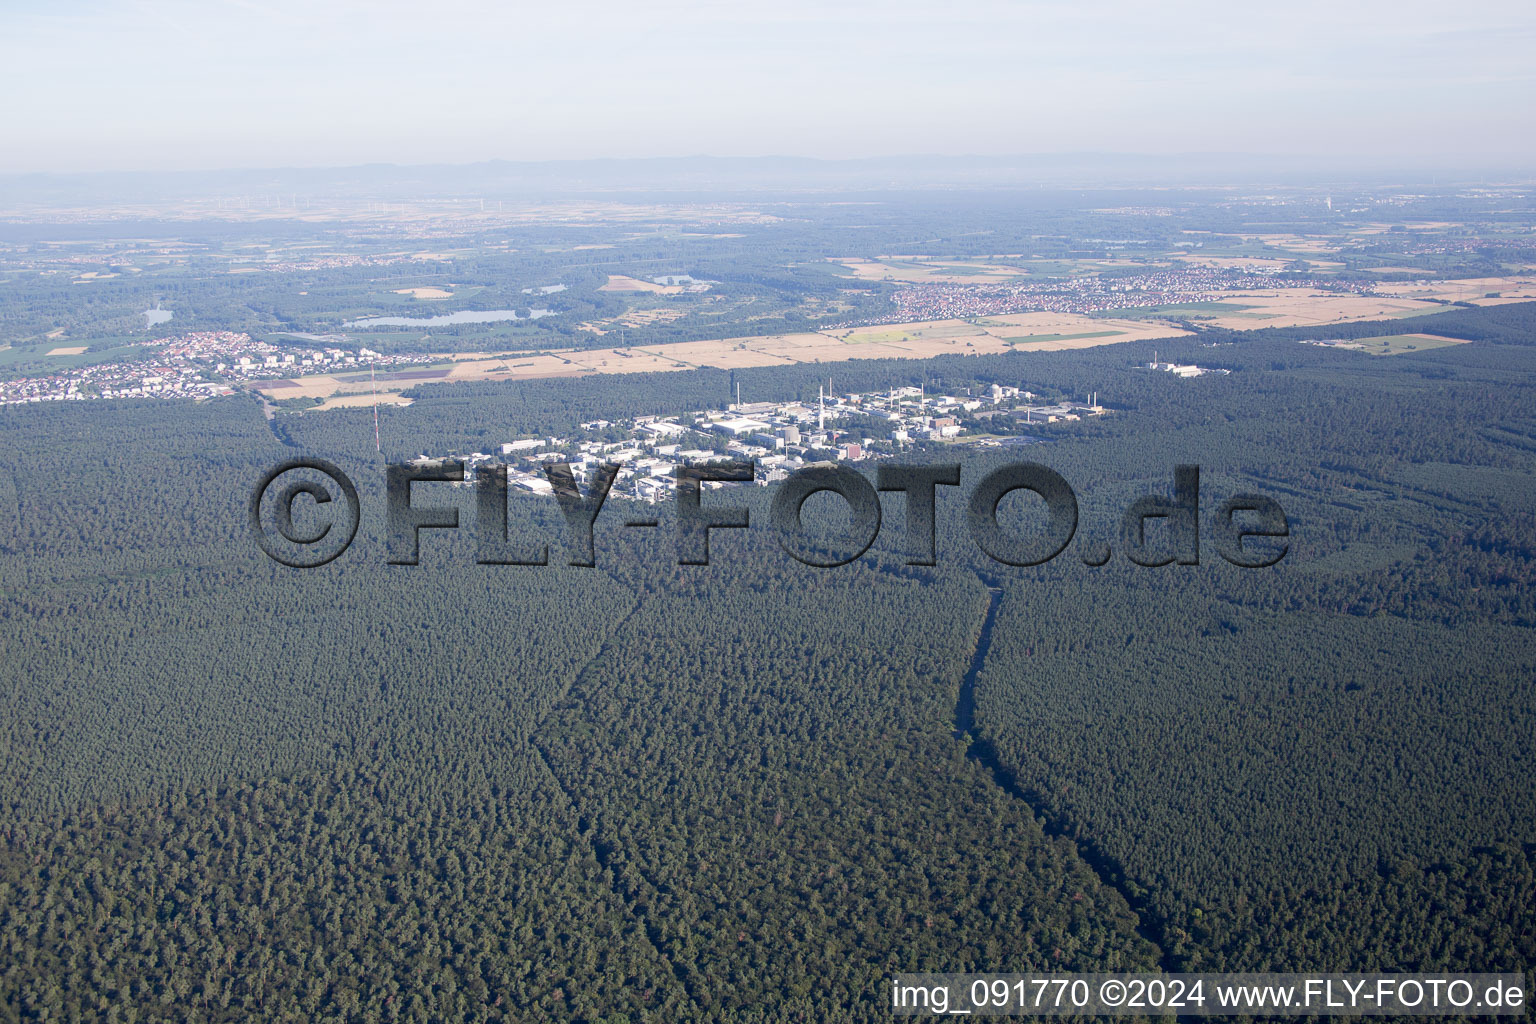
{"points": [[920, 271], [1049, 332], [1397, 344], [1048, 339], [356, 401], [58, 358], [1267, 264], [1479, 291], [1285, 307]]}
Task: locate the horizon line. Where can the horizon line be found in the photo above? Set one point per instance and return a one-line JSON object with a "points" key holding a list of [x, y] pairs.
{"points": [[1315, 164]]}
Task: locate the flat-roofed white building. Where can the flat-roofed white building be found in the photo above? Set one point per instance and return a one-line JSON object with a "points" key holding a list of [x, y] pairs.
{"points": [[738, 426]]}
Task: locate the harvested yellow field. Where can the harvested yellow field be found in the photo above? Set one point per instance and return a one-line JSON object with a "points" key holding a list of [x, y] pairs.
{"points": [[1480, 291], [622, 283], [1293, 307], [354, 401], [1058, 332], [526, 366], [67, 350], [902, 332], [424, 293], [924, 340], [319, 386]]}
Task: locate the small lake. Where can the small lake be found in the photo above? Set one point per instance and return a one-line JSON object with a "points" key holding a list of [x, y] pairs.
{"points": [[156, 316], [483, 316]]}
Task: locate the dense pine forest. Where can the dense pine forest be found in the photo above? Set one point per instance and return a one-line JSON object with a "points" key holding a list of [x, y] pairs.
{"points": [[752, 791]]}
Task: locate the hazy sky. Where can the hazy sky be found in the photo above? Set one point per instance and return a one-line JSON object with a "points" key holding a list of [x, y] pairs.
{"points": [[196, 84]]}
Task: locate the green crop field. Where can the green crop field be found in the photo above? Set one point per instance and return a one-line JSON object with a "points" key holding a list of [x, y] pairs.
{"points": [[1396, 344], [35, 358]]}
